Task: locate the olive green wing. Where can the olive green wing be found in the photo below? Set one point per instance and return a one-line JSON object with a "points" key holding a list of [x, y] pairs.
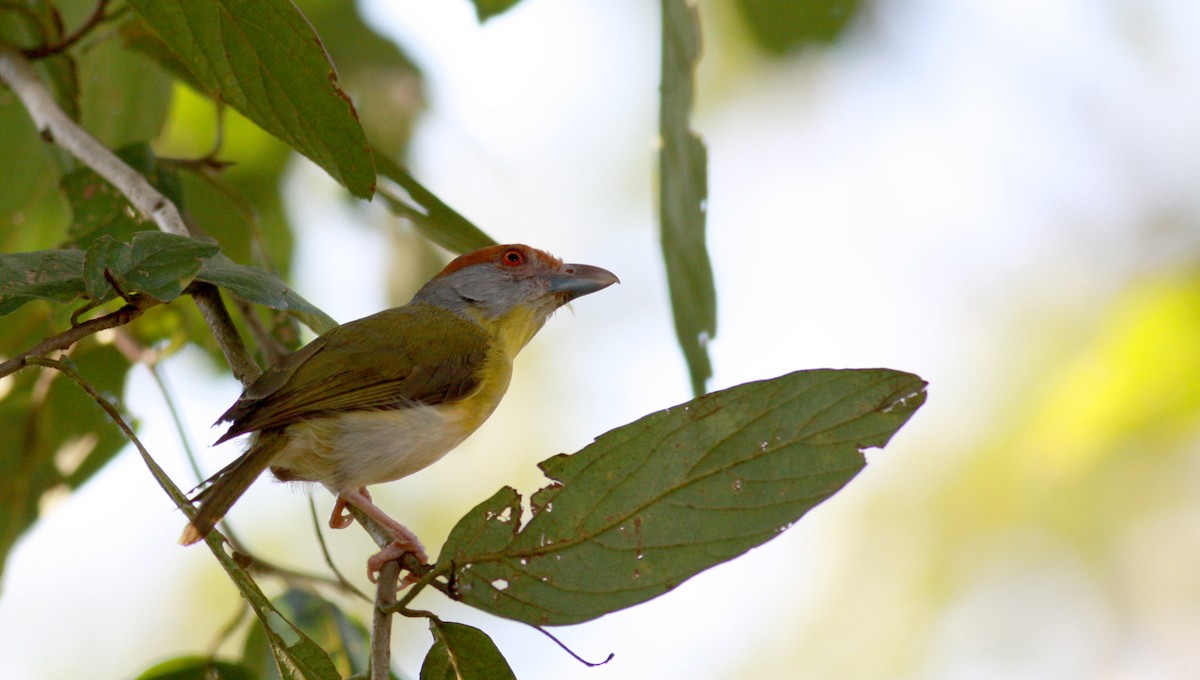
{"points": [[418, 354]]}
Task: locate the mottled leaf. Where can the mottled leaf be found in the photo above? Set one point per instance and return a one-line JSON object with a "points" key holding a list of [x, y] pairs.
{"points": [[157, 264], [461, 652], [99, 208], [264, 59], [652, 503], [55, 275]]}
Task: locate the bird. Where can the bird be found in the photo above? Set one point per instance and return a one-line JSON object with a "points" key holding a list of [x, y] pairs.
{"points": [[382, 397]]}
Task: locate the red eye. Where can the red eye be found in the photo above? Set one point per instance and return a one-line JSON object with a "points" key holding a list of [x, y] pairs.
{"points": [[513, 257]]}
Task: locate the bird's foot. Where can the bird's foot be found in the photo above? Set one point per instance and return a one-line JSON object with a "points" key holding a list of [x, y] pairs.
{"points": [[394, 551], [403, 540], [341, 517]]}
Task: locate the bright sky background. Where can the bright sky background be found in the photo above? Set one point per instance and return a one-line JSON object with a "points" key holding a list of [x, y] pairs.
{"points": [[915, 197]]}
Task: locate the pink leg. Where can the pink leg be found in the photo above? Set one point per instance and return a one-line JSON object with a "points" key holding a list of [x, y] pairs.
{"points": [[404, 541]]}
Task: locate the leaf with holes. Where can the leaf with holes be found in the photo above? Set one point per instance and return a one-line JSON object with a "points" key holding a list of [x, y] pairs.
{"points": [[650, 504]]}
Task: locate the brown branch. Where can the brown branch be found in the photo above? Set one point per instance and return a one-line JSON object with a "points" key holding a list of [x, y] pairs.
{"points": [[381, 624], [62, 341], [208, 300], [64, 43], [57, 126]]}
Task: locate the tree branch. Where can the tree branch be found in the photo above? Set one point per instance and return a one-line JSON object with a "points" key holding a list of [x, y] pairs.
{"points": [[381, 623], [137, 305], [58, 127]]}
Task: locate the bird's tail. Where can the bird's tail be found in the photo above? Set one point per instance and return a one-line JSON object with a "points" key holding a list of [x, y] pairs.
{"points": [[226, 486]]}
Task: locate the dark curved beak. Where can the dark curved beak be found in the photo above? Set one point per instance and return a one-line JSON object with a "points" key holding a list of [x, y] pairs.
{"points": [[576, 280]]}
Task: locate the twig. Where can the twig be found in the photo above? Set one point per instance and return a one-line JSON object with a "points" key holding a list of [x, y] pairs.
{"points": [[66, 42], [57, 126], [312, 507], [138, 304]]}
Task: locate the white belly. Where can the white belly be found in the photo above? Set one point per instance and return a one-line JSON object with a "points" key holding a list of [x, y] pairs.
{"points": [[362, 448]]}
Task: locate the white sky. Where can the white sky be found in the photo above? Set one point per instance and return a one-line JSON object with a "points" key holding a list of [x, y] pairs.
{"points": [[888, 203]]}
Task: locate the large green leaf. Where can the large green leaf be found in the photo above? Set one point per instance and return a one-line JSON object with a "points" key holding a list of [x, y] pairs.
{"points": [[264, 59], [652, 503], [683, 171], [461, 652], [384, 83]]}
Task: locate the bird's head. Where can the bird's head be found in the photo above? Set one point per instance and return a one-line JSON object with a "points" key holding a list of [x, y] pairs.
{"points": [[511, 289]]}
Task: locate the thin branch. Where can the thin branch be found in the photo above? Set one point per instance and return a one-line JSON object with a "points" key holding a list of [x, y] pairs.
{"points": [[312, 507], [64, 43], [381, 624], [208, 300], [57, 126], [62, 341]]}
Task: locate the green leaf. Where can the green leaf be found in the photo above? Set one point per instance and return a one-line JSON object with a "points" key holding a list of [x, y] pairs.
{"points": [[344, 639], [197, 668], [384, 82], [652, 503], [434, 219], [155, 263], [683, 169], [781, 26], [260, 286], [262, 58], [461, 652], [55, 275], [486, 9]]}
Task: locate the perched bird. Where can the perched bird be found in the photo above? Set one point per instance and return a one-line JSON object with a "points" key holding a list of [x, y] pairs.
{"points": [[380, 398]]}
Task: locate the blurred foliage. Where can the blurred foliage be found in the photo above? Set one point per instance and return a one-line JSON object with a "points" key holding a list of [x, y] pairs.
{"points": [[1065, 535], [346, 640], [56, 438], [781, 26]]}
